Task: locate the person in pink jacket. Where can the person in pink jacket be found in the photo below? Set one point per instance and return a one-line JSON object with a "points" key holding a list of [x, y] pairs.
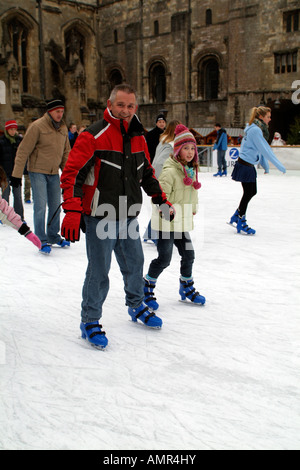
{"points": [[9, 217]]}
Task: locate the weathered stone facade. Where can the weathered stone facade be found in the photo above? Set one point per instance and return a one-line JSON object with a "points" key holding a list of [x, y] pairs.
{"points": [[201, 61]]}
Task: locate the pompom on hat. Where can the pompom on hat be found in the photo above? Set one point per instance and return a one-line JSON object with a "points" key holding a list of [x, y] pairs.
{"points": [[12, 124], [54, 104], [182, 137]]}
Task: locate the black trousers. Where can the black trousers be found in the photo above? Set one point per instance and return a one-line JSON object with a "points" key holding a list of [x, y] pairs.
{"points": [[165, 243], [250, 189]]}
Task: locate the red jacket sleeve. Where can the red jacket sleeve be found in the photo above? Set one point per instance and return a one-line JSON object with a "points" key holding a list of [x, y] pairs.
{"points": [[80, 162]]}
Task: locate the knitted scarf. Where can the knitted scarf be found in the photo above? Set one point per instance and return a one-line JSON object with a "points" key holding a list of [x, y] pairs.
{"points": [[10, 138], [263, 126], [56, 125]]}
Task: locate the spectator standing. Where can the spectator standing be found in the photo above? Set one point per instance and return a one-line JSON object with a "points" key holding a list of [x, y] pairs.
{"points": [[9, 144], [72, 133], [221, 147], [152, 137]]}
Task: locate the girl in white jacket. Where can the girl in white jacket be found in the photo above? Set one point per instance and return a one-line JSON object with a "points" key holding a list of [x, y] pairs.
{"points": [[9, 217], [179, 181]]}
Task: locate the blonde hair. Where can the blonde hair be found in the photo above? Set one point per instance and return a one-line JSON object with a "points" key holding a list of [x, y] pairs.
{"points": [[258, 111], [3, 179], [168, 134]]}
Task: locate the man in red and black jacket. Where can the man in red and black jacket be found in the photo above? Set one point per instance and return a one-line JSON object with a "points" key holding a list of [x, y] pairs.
{"points": [[101, 182]]}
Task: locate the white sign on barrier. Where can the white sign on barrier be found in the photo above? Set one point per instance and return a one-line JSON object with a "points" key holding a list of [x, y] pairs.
{"points": [[231, 156], [288, 155]]}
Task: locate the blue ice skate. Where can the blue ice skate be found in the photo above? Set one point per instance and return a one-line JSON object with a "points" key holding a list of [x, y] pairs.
{"points": [[144, 315], [187, 291], [149, 298], [45, 249], [93, 334], [63, 243], [235, 218], [219, 173], [243, 227]]}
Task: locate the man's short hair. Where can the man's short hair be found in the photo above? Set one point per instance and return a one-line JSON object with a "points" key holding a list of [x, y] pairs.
{"points": [[122, 87]]}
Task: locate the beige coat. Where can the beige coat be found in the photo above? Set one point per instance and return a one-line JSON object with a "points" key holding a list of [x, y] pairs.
{"points": [[44, 148], [183, 198]]}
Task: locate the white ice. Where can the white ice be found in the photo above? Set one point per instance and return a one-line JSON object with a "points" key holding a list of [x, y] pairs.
{"points": [[222, 376]]}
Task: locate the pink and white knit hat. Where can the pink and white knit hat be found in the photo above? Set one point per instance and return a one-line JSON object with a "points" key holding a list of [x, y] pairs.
{"points": [[182, 137]]}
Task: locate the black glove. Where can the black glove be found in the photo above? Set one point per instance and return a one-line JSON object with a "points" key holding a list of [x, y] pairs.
{"points": [[167, 211], [15, 182]]}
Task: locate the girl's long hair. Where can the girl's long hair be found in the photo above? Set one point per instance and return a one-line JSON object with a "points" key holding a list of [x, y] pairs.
{"points": [[168, 134], [3, 179], [258, 111]]}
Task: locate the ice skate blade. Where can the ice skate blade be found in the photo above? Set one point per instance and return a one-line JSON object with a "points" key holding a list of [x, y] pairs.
{"points": [[193, 304], [234, 225], [94, 346], [246, 234], [140, 323]]}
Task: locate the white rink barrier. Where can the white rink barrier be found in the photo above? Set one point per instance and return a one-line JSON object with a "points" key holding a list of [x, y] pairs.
{"points": [[289, 156]]}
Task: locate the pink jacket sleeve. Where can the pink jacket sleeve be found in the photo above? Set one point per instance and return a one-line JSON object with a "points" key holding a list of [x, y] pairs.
{"points": [[8, 216]]}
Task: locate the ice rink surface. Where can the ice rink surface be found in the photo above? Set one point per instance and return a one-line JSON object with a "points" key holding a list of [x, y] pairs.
{"points": [[222, 376]]}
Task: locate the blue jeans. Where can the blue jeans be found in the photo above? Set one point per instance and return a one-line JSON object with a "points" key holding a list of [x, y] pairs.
{"points": [[222, 165], [102, 238], [165, 244], [46, 191]]}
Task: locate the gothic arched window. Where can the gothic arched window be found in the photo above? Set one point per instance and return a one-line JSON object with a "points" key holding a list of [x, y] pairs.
{"points": [[115, 78], [157, 80], [75, 45], [19, 43], [208, 79]]}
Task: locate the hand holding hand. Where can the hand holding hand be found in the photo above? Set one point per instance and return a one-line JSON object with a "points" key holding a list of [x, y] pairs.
{"points": [[167, 211]]}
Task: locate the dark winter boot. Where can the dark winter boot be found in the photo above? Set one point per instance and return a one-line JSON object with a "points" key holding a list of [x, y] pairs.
{"points": [[243, 227], [144, 315], [149, 298], [188, 291]]}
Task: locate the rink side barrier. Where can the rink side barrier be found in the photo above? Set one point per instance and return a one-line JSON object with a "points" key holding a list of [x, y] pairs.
{"points": [[288, 155]]}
